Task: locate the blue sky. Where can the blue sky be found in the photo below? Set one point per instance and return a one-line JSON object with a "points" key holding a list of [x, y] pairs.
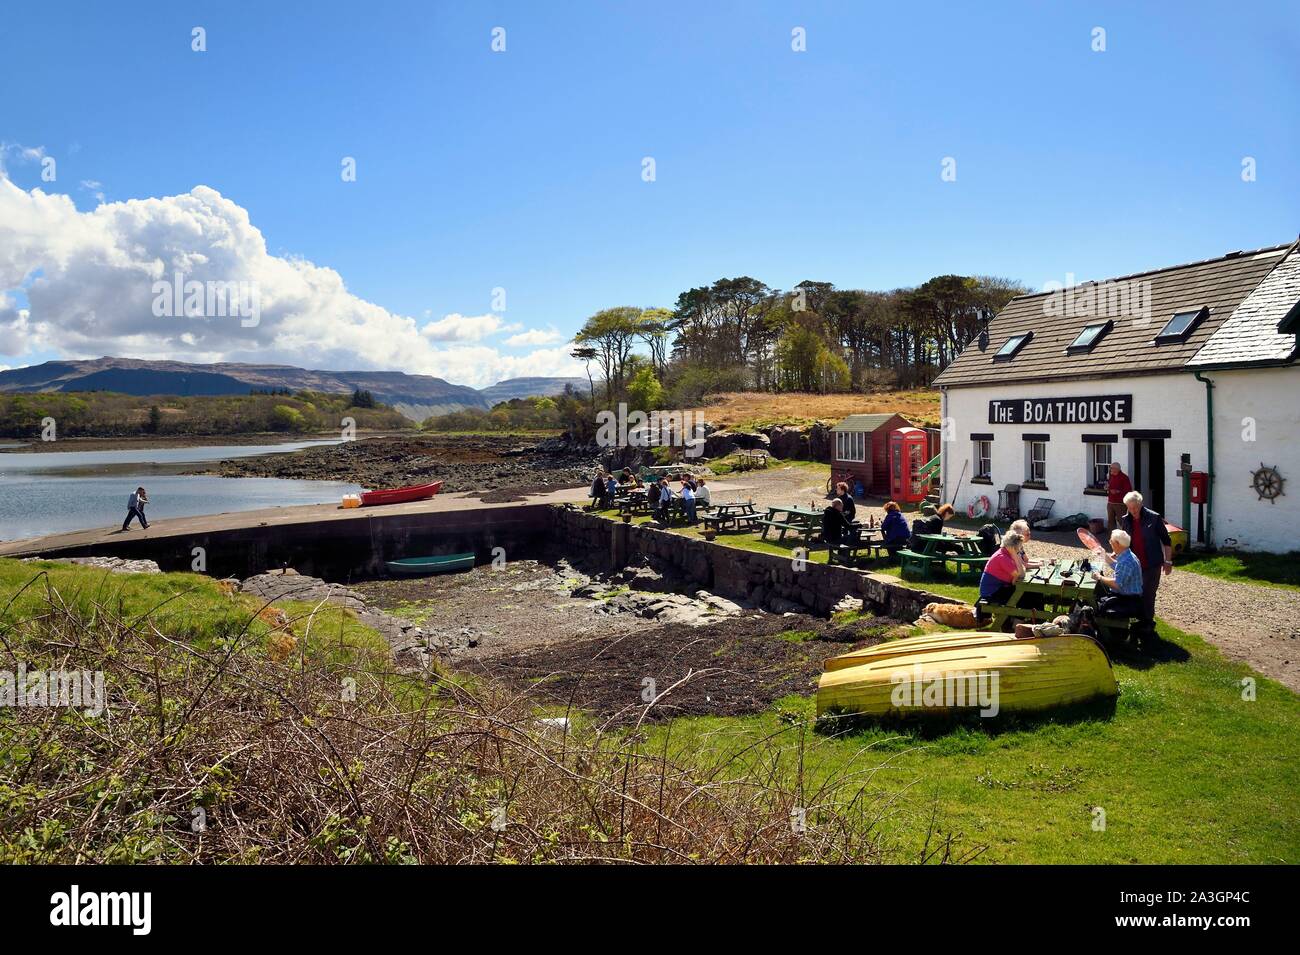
{"points": [[522, 169]]}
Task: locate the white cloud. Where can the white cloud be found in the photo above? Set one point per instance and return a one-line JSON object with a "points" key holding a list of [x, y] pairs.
{"points": [[88, 278], [535, 336], [94, 187], [462, 328]]}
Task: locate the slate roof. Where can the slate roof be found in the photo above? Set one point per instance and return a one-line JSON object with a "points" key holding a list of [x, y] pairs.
{"points": [[862, 422], [1221, 284], [1251, 334]]}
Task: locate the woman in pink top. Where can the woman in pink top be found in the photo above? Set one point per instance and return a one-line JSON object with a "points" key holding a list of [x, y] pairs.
{"points": [[1003, 570]]}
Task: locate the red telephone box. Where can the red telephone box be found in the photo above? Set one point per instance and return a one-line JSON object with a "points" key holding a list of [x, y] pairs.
{"points": [[907, 451]]}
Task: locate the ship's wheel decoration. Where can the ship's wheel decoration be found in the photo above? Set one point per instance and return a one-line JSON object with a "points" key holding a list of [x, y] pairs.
{"points": [[1267, 483]]}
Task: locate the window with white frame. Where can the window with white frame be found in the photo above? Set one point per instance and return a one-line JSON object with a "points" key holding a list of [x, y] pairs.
{"points": [[1036, 462], [1100, 454], [983, 459], [850, 445]]}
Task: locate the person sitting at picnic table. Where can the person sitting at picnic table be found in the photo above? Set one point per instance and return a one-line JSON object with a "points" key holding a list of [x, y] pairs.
{"points": [[1124, 596], [1003, 571], [703, 496], [1022, 528], [930, 522], [894, 529], [688, 502], [842, 494], [629, 477], [835, 526]]}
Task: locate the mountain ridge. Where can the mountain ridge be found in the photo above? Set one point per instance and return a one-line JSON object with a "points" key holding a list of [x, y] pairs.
{"points": [[416, 396]]}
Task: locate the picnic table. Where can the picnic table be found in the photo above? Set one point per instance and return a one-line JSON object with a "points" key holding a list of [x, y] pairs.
{"points": [[733, 515], [632, 501], [1061, 583], [747, 459], [939, 550], [803, 521], [848, 551]]}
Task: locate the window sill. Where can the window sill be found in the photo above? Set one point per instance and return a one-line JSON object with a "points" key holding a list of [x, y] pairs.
{"points": [[1031, 486], [1096, 492], [982, 480]]}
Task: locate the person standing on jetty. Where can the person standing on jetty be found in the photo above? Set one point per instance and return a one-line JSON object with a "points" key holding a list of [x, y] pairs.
{"points": [[135, 508]]}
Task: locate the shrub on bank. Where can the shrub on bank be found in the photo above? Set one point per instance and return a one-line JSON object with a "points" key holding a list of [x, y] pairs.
{"points": [[242, 733]]}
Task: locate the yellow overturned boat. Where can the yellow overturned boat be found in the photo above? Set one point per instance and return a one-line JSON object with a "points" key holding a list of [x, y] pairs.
{"points": [[948, 674]]}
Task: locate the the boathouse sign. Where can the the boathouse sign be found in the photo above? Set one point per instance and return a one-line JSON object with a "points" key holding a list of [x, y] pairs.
{"points": [[1096, 409]]}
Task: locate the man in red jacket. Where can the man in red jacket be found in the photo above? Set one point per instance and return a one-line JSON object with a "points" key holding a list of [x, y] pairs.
{"points": [[1116, 487]]}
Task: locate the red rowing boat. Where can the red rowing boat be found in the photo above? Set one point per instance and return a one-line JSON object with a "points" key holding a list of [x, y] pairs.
{"points": [[400, 495]]}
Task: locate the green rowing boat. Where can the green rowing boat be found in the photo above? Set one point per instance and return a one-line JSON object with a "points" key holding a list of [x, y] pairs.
{"points": [[438, 564]]}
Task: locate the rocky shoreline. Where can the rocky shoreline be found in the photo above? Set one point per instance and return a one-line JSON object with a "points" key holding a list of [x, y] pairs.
{"points": [[461, 462], [496, 462]]}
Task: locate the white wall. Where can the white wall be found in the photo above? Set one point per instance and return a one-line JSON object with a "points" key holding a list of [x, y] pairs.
{"points": [[1270, 396], [1173, 402]]}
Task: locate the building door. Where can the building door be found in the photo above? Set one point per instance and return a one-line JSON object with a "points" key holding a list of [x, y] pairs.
{"points": [[1149, 472]]}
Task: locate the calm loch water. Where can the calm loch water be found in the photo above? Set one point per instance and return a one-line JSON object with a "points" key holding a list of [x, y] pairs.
{"points": [[47, 492]]}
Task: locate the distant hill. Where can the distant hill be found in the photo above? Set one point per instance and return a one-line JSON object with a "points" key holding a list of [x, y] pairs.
{"points": [[416, 396], [528, 387]]}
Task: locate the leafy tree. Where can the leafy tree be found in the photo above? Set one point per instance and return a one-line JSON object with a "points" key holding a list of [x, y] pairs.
{"points": [[612, 332], [644, 393]]}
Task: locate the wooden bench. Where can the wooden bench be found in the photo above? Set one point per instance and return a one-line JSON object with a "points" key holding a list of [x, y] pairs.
{"points": [[968, 567], [910, 560], [804, 531], [849, 553], [1005, 618], [737, 522]]}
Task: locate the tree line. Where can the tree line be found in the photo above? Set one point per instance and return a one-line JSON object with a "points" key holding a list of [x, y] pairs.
{"points": [[739, 334]]}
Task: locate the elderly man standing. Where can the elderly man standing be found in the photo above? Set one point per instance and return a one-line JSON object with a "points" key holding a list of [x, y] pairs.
{"points": [[1151, 546], [1117, 485]]}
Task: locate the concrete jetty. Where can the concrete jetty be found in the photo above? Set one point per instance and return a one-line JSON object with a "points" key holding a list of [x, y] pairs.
{"points": [[324, 540]]}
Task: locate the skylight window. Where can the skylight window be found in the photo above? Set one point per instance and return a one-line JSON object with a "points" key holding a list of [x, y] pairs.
{"points": [[1012, 346], [1089, 337], [1180, 327]]}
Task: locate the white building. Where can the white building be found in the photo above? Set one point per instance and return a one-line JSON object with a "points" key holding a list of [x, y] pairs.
{"points": [[1195, 363]]}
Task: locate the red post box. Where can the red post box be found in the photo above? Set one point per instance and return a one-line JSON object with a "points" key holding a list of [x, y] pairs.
{"points": [[1200, 487]]}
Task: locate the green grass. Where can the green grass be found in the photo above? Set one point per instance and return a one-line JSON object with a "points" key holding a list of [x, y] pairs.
{"points": [[1270, 570], [1185, 770], [192, 607]]}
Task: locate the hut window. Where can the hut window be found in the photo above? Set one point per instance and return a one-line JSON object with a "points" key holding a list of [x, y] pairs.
{"points": [[850, 445], [1012, 346], [983, 459], [1180, 327], [1036, 462], [1100, 454], [1089, 337]]}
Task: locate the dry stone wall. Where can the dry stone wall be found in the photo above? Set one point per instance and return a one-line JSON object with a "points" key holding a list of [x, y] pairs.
{"points": [[762, 580]]}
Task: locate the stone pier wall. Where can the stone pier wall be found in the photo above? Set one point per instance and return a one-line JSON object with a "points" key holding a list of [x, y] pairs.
{"points": [[765, 580]]}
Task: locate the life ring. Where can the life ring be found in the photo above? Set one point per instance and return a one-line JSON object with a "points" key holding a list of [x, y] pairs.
{"points": [[979, 507]]}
